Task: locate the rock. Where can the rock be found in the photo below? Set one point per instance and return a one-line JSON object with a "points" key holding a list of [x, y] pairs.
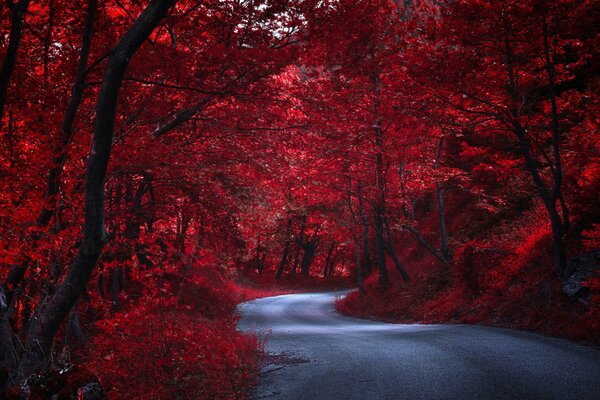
{"points": [[582, 268], [91, 391]]}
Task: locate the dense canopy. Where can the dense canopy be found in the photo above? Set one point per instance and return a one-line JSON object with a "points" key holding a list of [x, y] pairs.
{"points": [[161, 160]]}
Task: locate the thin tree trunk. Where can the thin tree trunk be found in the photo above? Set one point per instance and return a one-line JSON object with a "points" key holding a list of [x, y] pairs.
{"points": [[328, 259], [17, 13], [549, 196], [380, 251], [66, 130], [359, 273], [549, 200], [380, 208], [424, 242], [262, 261], [17, 271], [50, 315], [391, 249], [299, 247], [368, 266], [286, 249], [556, 137], [442, 221], [444, 249], [258, 264]]}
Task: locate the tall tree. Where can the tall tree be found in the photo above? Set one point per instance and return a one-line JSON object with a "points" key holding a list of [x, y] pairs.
{"points": [[50, 315]]}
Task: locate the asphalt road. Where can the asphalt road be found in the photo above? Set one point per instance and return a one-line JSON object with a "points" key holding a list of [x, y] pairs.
{"points": [[316, 353]]}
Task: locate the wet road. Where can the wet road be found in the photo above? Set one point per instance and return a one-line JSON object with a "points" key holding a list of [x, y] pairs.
{"points": [[319, 354]]}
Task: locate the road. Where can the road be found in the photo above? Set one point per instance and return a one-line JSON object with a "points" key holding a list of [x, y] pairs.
{"points": [[316, 353]]}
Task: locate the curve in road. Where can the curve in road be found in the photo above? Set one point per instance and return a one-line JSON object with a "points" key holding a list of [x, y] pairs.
{"points": [[318, 354]]}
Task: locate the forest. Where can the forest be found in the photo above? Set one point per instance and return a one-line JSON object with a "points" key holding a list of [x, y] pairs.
{"points": [[162, 161]]}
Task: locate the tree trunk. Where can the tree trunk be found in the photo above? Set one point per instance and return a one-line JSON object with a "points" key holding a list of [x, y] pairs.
{"points": [[359, 273], [328, 259], [549, 199], [380, 251], [368, 265], [556, 136], [392, 252], [17, 272], [309, 254], [17, 13], [444, 249], [258, 263], [549, 196], [66, 130], [424, 242], [380, 207], [50, 315], [442, 221], [286, 249]]}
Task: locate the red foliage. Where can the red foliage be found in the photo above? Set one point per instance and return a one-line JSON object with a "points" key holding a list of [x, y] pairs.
{"points": [[256, 148]]}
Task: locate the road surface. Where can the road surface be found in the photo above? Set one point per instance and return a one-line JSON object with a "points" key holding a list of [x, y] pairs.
{"points": [[316, 353]]}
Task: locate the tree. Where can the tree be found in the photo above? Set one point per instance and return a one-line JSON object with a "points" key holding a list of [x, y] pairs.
{"points": [[50, 315], [514, 88]]}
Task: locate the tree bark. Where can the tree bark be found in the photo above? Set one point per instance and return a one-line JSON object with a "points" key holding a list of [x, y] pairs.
{"points": [[309, 254], [549, 196], [17, 13], [299, 246], [66, 130], [359, 272], [258, 263], [328, 259], [380, 208], [286, 249], [391, 249], [368, 265], [380, 250], [424, 242], [549, 199], [50, 315]]}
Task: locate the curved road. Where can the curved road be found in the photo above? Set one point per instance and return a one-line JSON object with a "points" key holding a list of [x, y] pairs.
{"points": [[316, 353]]}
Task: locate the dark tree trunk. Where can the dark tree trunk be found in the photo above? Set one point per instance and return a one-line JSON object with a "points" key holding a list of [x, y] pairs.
{"points": [[258, 263], [261, 259], [444, 248], [550, 196], [368, 266], [17, 13], [424, 242], [550, 200], [17, 272], [392, 252], [117, 283], [359, 272], [328, 259], [286, 249], [50, 315], [310, 248], [557, 170], [66, 130], [380, 208], [380, 250], [8, 353], [443, 253]]}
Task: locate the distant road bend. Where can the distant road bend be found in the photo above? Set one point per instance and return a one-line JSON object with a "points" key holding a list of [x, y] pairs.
{"points": [[318, 354]]}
